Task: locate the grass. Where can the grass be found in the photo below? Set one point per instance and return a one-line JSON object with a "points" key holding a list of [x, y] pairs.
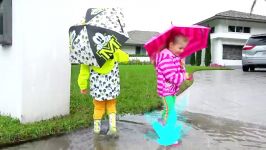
{"points": [[138, 95]]}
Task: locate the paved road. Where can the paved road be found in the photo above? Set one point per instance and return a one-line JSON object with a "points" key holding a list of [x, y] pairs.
{"points": [[226, 110], [233, 94]]}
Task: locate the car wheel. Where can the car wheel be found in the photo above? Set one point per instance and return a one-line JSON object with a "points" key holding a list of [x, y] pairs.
{"points": [[252, 69], [245, 68]]}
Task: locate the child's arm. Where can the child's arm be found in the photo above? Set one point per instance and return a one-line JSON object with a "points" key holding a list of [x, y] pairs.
{"points": [[121, 56], [84, 75], [183, 64], [172, 72]]}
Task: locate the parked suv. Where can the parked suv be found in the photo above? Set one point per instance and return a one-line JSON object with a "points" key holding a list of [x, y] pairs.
{"points": [[254, 53]]}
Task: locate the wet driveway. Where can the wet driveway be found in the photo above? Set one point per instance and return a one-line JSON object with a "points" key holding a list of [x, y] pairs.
{"points": [[226, 110], [230, 94]]}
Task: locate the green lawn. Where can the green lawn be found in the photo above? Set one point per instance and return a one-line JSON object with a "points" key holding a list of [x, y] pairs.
{"points": [[138, 95]]}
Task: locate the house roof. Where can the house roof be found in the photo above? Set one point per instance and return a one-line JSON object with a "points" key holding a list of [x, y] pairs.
{"points": [[140, 37], [236, 15]]}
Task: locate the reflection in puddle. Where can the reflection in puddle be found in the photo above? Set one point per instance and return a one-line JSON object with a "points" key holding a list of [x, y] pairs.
{"points": [[225, 131], [206, 132], [172, 131], [104, 143]]}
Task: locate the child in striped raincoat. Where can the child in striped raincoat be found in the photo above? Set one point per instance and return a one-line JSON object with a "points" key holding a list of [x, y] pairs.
{"points": [[171, 72]]}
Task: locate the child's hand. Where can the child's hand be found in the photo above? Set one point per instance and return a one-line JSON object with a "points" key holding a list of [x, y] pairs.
{"points": [[183, 63], [84, 92], [188, 76]]}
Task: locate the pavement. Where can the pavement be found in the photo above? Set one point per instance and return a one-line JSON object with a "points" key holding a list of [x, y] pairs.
{"points": [[225, 110]]}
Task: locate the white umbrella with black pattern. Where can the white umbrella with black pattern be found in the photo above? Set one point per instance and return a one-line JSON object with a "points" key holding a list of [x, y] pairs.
{"points": [[94, 42]]}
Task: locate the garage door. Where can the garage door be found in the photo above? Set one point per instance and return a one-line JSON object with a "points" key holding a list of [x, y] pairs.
{"points": [[232, 52]]}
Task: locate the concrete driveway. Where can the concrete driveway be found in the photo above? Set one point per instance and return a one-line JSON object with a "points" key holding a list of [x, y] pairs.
{"points": [[231, 94], [226, 110]]}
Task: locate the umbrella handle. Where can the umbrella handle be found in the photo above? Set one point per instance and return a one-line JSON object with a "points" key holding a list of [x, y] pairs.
{"points": [[120, 25]]}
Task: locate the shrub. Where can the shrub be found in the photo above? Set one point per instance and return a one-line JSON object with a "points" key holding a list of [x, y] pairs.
{"points": [[198, 58], [138, 55], [136, 62], [192, 59], [208, 53]]}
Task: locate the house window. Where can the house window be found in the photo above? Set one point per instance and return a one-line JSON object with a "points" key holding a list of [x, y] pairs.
{"points": [[246, 29], [1, 17], [239, 29], [138, 49], [212, 29], [232, 28], [1, 24], [6, 22]]}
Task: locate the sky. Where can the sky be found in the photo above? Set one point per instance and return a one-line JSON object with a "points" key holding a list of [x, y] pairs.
{"points": [[157, 15]]}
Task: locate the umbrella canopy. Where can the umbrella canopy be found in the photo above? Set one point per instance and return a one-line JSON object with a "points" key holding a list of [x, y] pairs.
{"points": [[96, 41], [197, 35], [108, 18]]}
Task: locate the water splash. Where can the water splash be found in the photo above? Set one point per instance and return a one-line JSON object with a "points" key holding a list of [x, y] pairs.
{"points": [[171, 132]]}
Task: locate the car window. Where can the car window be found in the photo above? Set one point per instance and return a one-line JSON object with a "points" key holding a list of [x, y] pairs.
{"points": [[257, 40]]}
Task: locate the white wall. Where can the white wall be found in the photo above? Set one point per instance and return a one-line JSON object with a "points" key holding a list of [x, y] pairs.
{"points": [[256, 28], [142, 59], [35, 71], [129, 49], [203, 57], [46, 72], [217, 51], [236, 42], [11, 80], [132, 49]]}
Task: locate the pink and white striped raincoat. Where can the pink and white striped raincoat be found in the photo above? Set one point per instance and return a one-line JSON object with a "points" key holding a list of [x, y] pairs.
{"points": [[170, 73]]}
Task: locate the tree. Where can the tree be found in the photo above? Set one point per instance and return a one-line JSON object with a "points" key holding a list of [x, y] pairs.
{"points": [[253, 5], [198, 58], [192, 59], [208, 53]]}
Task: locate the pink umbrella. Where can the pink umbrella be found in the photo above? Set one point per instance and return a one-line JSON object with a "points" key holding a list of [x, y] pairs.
{"points": [[197, 35]]}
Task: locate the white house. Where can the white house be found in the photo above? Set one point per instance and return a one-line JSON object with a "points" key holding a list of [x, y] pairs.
{"points": [[230, 30], [135, 45], [34, 57], [136, 41]]}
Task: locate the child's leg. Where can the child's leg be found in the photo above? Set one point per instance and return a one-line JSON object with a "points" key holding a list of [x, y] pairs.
{"points": [[111, 106], [169, 105], [111, 111], [99, 110], [165, 108]]}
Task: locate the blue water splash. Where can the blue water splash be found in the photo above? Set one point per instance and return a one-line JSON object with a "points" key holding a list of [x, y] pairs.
{"points": [[171, 132]]}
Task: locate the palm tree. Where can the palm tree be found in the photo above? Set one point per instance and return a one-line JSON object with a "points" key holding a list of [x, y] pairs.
{"points": [[253, 5]]}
